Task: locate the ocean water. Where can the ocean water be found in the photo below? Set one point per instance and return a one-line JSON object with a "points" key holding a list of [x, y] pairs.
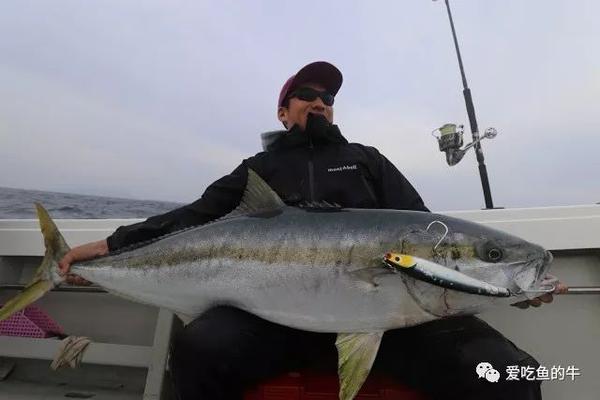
{"points": [[19, 203]]}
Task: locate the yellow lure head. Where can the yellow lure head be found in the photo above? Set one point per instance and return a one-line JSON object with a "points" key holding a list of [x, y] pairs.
{"points": [[400, 260]]}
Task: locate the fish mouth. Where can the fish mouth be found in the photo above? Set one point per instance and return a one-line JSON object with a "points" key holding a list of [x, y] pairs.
{"points": [[529, 278]]}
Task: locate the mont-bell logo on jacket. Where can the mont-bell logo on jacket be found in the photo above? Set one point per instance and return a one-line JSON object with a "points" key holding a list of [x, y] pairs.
{"points": [[342, 168]]}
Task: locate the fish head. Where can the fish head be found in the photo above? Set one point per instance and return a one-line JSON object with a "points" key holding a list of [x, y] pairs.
{"points": [[489, 263]]}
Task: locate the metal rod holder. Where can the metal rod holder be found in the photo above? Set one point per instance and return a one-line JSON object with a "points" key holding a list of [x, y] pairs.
{"points": [[583, 290]]}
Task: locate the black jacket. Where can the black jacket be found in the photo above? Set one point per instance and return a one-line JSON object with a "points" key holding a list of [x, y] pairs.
{"points": [[317, 164]]}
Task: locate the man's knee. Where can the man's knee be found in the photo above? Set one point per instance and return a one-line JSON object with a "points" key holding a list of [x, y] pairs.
{"points": [[206, 354], [516, 369], [494, 348], [454, 348]]}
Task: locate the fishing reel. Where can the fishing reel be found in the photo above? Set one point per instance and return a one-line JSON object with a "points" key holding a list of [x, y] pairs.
{"points": [[450, 140]]}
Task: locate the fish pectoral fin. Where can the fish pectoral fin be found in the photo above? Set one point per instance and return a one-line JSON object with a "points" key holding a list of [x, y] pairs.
{"points": [[367, 275], [374, 268], [356, 353]]}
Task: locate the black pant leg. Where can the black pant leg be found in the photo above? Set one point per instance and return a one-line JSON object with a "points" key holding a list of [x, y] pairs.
{"points": [[225, 351], [440, 358]]}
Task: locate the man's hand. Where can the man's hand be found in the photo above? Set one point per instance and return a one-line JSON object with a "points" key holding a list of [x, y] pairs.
{"points": [[81, 253], [559, 288]]}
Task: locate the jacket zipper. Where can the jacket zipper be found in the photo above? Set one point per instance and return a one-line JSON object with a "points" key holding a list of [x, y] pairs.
{"points": [[311, 169]]}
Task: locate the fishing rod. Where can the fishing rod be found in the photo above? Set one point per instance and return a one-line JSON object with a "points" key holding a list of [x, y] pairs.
{"points": [[450, 137]]}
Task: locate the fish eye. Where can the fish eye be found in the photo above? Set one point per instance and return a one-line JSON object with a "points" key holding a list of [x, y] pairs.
{"points": [[490, 252], [494, 254]]}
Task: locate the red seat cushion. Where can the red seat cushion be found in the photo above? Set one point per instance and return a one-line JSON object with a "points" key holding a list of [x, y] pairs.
{"points": [[311, 386]]}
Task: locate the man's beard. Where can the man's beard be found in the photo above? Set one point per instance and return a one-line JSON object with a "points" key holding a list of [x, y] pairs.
{"points": [[317, 124]]}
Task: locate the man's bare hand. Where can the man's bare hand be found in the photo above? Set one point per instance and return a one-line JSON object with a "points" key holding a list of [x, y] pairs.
{"points": [[76, 280], [559, 288], [81, 253]]}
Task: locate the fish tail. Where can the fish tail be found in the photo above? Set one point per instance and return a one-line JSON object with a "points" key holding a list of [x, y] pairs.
{"points": [[46, 276]]}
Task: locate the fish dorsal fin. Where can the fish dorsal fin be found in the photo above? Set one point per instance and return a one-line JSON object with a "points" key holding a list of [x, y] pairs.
{"points": [[356, 353], [258, 197]]}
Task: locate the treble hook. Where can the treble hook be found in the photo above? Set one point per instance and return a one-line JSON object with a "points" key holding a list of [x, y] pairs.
{"points": [[443, 237]]}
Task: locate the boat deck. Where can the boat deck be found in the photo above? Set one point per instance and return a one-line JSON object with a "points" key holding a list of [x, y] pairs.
{"points": [[31, 380]]}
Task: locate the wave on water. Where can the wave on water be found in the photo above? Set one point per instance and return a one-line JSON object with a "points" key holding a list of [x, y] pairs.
{"points": [[19, 204]]}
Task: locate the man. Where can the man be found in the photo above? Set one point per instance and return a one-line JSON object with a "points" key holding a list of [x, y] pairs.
{"points": [[224, 351]]}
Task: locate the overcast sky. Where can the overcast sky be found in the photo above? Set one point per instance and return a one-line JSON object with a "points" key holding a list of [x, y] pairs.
{"points": [[157, 99]]}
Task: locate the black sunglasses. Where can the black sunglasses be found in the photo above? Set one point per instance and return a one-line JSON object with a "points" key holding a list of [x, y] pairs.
{"points": [[310, 94]]}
